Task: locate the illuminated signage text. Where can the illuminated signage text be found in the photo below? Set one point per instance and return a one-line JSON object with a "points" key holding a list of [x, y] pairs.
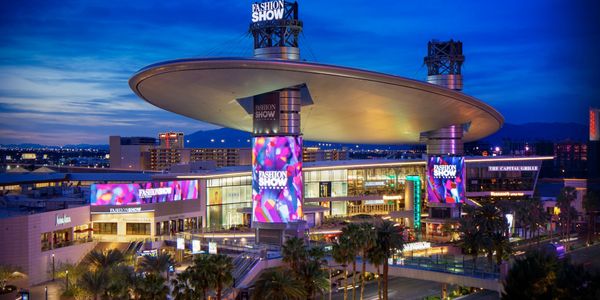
{"points": [[444, 171], [123, 210], [512, 168], [506, 194], [149, 193], [272, 179], [62, 219], [268, 11]]}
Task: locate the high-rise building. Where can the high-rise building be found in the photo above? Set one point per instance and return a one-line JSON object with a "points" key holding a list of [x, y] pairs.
{"points": [[223, 157], [171, 140], [571, 159], [594, 144], [310, 154], [130, 152]]}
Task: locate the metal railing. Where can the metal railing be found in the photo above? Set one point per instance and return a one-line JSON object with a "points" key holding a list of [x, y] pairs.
{"points": [[449, 265]]}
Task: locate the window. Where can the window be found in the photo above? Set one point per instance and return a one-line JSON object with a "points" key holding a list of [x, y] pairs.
{"points": [[105, 228], [138, 229]]}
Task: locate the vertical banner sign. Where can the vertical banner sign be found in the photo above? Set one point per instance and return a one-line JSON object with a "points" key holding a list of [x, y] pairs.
{"points": [[594, 124], [277, 179], [196, 247], [417, 201], [446, 179], [266, 114]]}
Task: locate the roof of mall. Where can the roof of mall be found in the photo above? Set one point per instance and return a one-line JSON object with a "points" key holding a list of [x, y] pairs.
{"points": [[340, 104]]}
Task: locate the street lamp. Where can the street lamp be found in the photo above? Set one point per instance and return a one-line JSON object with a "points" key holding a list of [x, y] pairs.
{"points": [[53, 268], [67, 272], [46, 292]]}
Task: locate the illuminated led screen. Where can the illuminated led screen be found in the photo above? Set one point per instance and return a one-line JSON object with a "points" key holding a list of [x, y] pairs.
{"points": [[276, 179], [142, 193], [446, 179]]}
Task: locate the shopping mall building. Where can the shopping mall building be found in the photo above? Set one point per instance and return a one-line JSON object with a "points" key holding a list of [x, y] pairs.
{"points": [[283, 100]]}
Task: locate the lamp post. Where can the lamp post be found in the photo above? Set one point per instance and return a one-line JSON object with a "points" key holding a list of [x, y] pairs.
{"points": [[67, 279], [46, 292], [53, 267]]}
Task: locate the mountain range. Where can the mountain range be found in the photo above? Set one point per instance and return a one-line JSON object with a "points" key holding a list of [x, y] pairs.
{"points": [[231, 138]]}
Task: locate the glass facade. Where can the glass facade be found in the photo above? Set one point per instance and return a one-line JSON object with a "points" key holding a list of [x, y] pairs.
{"points": [[326, 184], [381, 181], [480, 179], [225, 196]]}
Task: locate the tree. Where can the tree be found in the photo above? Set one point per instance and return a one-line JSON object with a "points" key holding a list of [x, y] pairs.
{"points": [[222, 270], [343, 254], [195, 281], [182, 287], [366, 239], [376, 256], [567, 195], [540, 275], [389, 238], [294, 252], [484, 227], [353, 233], [94, 283], [472, 238], [314, 277], [102, 260], [8, 273], [152, 287], [278, 285], [531, 278], [158, 264], [591, 204]]}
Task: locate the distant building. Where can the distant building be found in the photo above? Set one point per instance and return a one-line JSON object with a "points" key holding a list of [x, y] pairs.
{"points": [[163, 158], [171, 140], [223, 157], [131, 153], [571, 159], [311, 154]]}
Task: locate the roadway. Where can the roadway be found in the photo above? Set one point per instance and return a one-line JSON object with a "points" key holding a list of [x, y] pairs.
{"points": [[399, 288]]}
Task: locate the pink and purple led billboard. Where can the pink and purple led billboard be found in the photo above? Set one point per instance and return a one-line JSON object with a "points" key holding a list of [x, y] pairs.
{"points": [[446, 179], [276, 179], [143, 193]]}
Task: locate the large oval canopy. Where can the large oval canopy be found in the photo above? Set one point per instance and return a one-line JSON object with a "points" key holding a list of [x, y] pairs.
{"points": [[347, 105]]}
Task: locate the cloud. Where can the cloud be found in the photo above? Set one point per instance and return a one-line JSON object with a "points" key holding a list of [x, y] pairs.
{"points": [[64, 66]]}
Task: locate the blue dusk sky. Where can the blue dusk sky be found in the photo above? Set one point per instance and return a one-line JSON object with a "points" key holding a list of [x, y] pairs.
{"points": [[65, 65]]}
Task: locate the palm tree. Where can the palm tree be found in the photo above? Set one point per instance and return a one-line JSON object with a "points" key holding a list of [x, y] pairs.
{"points": [[294, 252], [591, 204], [366, 240], [156, 264], [182, 287], [120, 280], [389, 238], [538, 217], [152, 287], [102, 260], [94, 283], [376, 257], [502, 247], [472, 239], [314, 278], [222, 270], [278, 285], [353, 233], [567, 195], [343, 254]]}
